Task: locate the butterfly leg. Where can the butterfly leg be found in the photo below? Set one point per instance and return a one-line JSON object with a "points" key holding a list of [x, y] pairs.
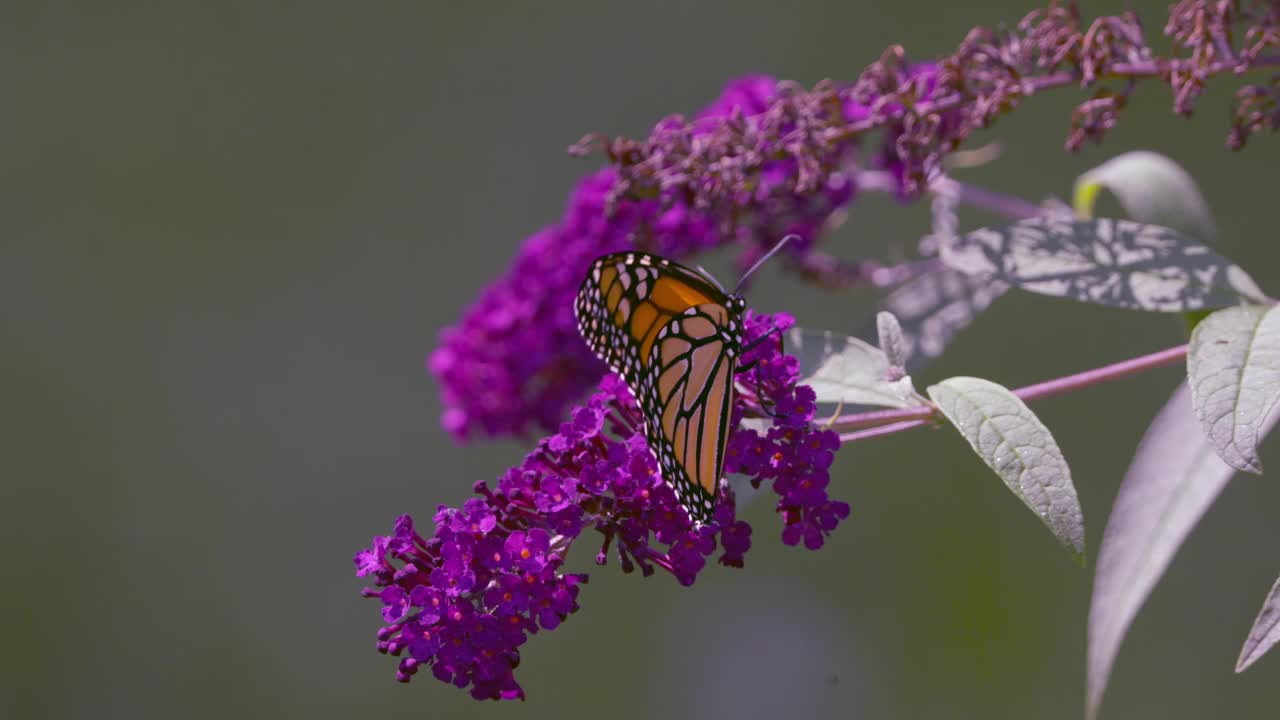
{"points": [[765, 405], [756, 343], [773, 332]]}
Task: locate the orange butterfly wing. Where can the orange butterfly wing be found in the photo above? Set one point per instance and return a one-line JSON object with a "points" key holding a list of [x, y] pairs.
{"points": [[675, 338]]}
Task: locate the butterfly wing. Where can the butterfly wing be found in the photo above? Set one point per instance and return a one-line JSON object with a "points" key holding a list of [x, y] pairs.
{"points": [[671, 335], [689, 406]]}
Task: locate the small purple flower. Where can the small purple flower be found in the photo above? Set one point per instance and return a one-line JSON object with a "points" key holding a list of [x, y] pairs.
{"points": [[453, 577], [529, 550], [370, 561], [395, 604], [586, 423], [508, 596], [688, 555], [431, 600], [404, 538], [475, 519], [736, 538], [551, 602], [813, 523]]}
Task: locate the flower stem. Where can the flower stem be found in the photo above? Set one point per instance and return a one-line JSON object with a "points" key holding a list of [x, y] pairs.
{"points": [[1107, 373], [877, 418], [876, 423], [993, 201], [990, 200], [882, 430]]}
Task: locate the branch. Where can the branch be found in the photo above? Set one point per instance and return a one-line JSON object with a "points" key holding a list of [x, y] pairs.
{"points": [[887, 422]]}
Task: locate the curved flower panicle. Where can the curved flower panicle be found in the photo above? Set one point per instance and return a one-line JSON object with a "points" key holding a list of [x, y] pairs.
{"points": [[462, 601], [923, 112], [765, 163], [515, 361], [914, 143]]}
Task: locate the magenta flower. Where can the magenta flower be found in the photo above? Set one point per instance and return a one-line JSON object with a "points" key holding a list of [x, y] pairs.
{"points": [[463, 601]]}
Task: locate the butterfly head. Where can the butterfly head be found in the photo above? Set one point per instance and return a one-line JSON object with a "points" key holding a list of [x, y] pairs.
{"points": [[735, 304]]}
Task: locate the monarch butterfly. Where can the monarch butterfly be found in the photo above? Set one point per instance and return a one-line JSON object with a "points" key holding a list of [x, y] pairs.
{"points": [[674, 335]]}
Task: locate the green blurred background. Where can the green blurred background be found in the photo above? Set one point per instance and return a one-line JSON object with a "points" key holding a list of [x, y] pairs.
{"points": [[232, 232]]}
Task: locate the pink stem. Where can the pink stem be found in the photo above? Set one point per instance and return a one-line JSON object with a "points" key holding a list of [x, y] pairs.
{"points": [[882, 430], [1103, 374], [887, 422], [990, 200]]}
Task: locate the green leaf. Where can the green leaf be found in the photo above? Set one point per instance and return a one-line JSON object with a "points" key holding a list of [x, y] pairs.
{"points": [[1013, 442], [1174, 477], [1152, 189], [1106, 261], [1233, 364], [843, 369], [1265, 632]]}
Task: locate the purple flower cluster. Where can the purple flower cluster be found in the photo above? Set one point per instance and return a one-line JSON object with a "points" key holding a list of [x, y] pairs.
{"points": [[799, 177], [925, 112], [515, 361], [892, 89], [1256, 108], [794, 454], [1207, 30], [463, 601]]}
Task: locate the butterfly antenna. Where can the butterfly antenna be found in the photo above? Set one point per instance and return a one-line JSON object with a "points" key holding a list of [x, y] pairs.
{"points": [[712, 278], [773, 251]]}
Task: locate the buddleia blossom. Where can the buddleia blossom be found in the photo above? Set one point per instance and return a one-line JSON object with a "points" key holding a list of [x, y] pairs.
{"points": [[793, 454], [515, 361], [921, 112], [461, 601]]}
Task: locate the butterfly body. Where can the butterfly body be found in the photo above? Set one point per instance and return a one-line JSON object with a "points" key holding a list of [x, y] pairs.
{"points": [[675, 337]]}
